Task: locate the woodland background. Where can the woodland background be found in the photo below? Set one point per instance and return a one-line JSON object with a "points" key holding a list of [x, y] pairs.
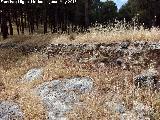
{"points": [[71, 17]]}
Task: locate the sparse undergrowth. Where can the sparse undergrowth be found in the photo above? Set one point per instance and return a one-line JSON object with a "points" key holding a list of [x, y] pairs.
{"points": [[99, 34]]}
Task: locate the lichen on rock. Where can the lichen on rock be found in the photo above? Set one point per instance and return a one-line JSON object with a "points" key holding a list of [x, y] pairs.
{"points": [[59, 96]]}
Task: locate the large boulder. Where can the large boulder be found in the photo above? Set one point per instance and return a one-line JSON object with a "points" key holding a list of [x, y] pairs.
{"points": [[10, 111], [59, 96]]}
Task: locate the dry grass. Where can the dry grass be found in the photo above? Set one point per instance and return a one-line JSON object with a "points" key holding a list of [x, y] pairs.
{"points": [[106, 80], [109, 34], [106, 34], [13, 65]]}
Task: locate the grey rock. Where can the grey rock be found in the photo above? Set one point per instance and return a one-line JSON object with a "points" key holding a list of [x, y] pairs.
{"points": [[158, 85], [115, 107], [140, 107], [129, 115], [148, 78], [8, 45], [119, 61], [33, 74], [59, 96], [27, 49], [90, 47], [125, 44], [10, 111], [138, 112]]}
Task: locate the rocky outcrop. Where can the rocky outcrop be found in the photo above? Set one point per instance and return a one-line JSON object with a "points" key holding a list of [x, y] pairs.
{"points": [[131, 53], [59, 96], [139, 53]]}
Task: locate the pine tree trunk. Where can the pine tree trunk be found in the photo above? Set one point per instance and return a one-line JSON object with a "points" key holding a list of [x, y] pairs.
{"points": [[22, 24], [86, 14], [4, 26], [56, 19], [10, 25], [45, 17]]}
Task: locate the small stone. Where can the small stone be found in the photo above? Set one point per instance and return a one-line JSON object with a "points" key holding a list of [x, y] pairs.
{"points": [[119, 61], [33, 74], [125, 45]]}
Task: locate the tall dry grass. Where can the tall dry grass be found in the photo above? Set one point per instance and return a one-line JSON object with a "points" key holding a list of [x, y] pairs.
{"points": [[114, 32]]}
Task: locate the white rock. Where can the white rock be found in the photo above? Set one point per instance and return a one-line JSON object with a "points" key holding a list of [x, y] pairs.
{"points": [[60, 96], [33, 74]]}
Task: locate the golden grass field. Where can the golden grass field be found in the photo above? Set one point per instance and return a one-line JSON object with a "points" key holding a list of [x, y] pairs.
{"points": [[13, 65]]}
